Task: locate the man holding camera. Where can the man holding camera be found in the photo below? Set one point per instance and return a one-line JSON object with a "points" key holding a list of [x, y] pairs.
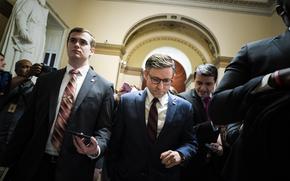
{"points": [[13, 104]]}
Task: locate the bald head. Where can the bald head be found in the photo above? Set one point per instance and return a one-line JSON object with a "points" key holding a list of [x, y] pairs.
{"points": [[22, 67]]}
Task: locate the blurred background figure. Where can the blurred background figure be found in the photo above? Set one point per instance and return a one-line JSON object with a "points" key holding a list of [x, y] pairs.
{"points": [[14, 103], [5, 77], [17, 99], [205, 165]]}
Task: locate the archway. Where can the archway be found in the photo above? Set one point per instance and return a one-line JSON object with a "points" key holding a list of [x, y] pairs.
{"points": [[188, 36]]}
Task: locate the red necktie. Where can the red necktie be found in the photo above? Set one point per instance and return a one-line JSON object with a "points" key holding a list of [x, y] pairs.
{"points": [[64, 111], [206, 101], [152, 121]]}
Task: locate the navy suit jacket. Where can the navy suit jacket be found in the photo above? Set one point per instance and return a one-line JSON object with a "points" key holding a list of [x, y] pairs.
{"points": [[131, 154], [91, 115]]}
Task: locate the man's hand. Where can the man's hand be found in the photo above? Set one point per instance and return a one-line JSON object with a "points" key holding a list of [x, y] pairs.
{"points": [[280, 79], [35, 69], [170, 158], [216, 148], [91, 149]]}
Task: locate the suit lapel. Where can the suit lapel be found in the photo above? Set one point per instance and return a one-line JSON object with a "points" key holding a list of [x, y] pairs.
{"points": [[172, 105], [200, 107], [140, 110], [90, 79], [53, 97]]}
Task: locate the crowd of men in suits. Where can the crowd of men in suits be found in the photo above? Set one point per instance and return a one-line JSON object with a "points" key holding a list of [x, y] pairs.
{"points": [[70, 121]]}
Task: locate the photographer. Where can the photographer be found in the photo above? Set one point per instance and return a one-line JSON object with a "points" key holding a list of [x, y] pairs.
{"points": [[5, 77], [14, 103]]}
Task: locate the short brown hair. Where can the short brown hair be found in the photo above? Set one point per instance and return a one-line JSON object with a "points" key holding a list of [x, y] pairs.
{"points": [[82, 30], [160, 61]]}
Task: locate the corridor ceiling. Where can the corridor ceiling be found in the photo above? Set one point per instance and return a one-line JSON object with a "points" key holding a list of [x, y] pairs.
{"points": [[263, 7]]}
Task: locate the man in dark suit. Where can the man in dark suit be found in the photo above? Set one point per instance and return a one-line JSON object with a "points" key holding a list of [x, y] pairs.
{"points": [[33, 153], [136, 152], [202, 166], [255, 79], [5, 78]]}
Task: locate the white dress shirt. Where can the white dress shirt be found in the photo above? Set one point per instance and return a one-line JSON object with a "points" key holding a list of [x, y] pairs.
{"points": [[79, 82], [161, 106]]}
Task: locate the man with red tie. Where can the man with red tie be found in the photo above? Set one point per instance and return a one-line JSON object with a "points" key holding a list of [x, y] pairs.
{"points": [[72, 100], [201, 167], [153, 132]]}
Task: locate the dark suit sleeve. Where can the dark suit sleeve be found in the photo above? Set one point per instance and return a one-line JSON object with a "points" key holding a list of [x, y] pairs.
{"points": [[118, 129], [188, 146], [103, 132], [233, 94], [114, 147]]}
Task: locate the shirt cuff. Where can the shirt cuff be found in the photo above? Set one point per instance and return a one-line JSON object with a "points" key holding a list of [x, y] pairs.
{"points": [[95, 155], [263, 86]]}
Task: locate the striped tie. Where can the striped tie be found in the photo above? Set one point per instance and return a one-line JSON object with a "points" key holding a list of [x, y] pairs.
{"points": [[64, 111], [152, 121]]}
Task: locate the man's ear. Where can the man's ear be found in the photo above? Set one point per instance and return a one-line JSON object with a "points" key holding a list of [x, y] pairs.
{"points": [[93, 49], [145, 74]]}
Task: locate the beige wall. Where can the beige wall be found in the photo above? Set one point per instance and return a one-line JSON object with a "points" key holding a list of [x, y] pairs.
{"points": [[67, 10], [112, 20], [107, 66]]}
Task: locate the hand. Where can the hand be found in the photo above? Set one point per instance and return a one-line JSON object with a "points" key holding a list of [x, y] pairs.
{"points": [[90, 149], [216, 148], [280, 79], [170, 158], [35, 69]]}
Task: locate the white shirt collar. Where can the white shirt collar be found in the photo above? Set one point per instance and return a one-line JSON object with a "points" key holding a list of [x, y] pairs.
{"points": [[83, 70], [162, 100]]}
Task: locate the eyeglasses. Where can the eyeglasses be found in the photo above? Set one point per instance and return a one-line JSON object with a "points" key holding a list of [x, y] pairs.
{"points": [[156, 80]]}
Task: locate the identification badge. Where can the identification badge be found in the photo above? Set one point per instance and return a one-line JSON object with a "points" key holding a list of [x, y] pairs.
{"points": [[12, 108]]}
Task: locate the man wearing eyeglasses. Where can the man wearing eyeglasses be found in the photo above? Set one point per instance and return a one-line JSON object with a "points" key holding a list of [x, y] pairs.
{"points": [[144, 150]]}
